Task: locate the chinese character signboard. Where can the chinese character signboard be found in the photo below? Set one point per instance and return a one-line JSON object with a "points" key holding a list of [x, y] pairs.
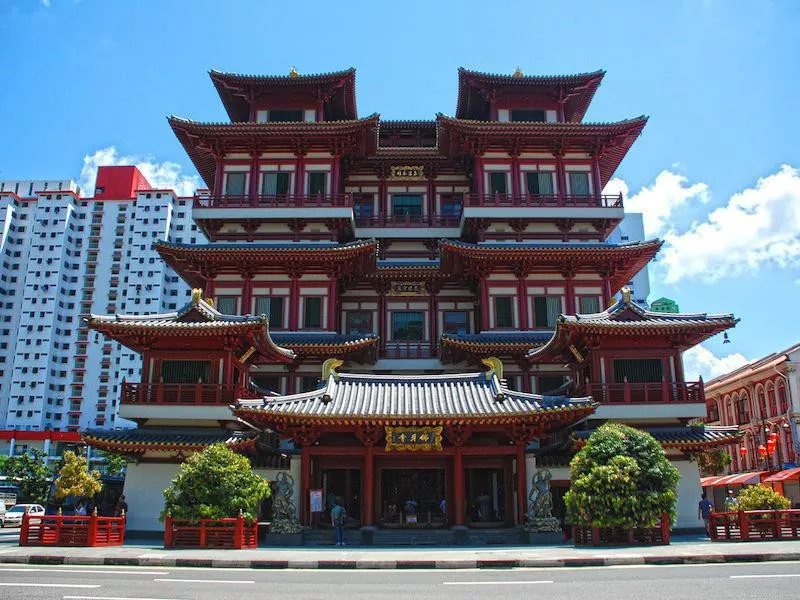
{"points": [[407, 288], [413, 438], [408, 172]]}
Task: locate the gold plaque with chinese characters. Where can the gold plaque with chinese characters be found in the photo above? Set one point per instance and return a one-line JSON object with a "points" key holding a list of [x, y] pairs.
{"points": [[413, 172], [413, 439], [407, 288]]}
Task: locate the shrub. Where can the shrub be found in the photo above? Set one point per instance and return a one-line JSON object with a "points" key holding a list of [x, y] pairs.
{"points": [[31, 474], [216, 483], [74, 478], [761, 497], [621, 478], [713, 462]]}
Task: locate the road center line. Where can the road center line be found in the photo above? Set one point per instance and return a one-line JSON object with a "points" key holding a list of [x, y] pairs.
{"points": [[85, 571], [494, 582], [769, 576], [52, 585], [207, 580], [111, 598]]}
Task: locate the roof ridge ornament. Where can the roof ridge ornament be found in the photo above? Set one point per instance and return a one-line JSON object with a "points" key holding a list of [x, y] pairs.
{"points": [[626, 295], [197, 295], [518, 73], [495, 367], [293, 73], [329, 368]]}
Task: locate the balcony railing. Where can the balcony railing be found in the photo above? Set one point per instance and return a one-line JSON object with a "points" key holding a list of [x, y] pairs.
{"points": [[183, 393], [409, 221], [647, 393], [275, 201], [544, 200], [408, 350]]}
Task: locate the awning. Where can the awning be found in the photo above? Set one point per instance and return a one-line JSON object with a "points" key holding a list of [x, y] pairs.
{"points": [[783, 475], [710, 481], [740, 479]]}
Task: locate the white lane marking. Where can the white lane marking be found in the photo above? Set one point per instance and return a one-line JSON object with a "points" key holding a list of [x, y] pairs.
{"points": [[37, 570], [765, 576], [52, 585], [494, 582], [111, 598], [207, 580]]}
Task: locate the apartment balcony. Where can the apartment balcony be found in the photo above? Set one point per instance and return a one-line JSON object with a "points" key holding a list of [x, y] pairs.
{"points": [[183, 394]]}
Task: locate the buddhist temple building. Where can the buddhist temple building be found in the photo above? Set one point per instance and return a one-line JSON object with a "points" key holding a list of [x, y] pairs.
{"points": [[413, 316]]}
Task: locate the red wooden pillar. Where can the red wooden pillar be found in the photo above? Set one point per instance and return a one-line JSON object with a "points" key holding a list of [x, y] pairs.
{"points": [[522, 301], [294, 300], [433, 312], [431, 201], [479, 188], [561, 177], [298, 175], [522, 484], [606, 291], [515, 187], [219, 176], [253, 188], [485, 308], [458, 486], [305, 484], [570, 295], [247, 293], [336, 176], [596, 176], [332, 313], [526, 380], [369, 485]]}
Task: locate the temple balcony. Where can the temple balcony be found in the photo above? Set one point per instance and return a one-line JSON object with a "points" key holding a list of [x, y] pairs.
{"points": [[274, 201], [154, 401], [540, 207], [408, 226], [664, 400], [408, 350]]}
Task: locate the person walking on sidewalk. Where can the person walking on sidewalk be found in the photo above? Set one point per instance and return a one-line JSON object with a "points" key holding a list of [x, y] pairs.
{"points": [[704, 508], [338, 518]]}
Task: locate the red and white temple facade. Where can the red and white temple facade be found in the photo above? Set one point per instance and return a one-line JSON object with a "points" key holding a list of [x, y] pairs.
{"points": [[417, 254]]}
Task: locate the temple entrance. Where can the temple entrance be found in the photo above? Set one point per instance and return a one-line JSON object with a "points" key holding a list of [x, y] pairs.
{"points": [[344, 484], [486, 497], [412, 497]]}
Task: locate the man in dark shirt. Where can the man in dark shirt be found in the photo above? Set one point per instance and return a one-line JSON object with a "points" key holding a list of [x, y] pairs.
{"points": [[704, 508]]}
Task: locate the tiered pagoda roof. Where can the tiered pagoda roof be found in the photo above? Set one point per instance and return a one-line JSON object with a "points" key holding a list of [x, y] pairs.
{"points": [[335, 89], [627, 319], [197, 320], [354, 399], [575, 91], [456, 346], [622, 261], [324, 345]]}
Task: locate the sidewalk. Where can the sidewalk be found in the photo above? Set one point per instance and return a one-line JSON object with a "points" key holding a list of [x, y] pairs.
{"points": [[683, 550]]}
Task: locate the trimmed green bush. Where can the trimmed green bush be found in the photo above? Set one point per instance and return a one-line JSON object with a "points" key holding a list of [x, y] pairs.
{"points": [[621, 478], [216, 483], [761, 497]]}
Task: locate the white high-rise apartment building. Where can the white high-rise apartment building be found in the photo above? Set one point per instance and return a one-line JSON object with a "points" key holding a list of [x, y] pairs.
{"points": [[64, 256]]}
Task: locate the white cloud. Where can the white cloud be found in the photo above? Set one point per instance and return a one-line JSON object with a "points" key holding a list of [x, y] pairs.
{"points": [[700, 360], [659, 202], [162, 175], [759, 226], [46, 3]]}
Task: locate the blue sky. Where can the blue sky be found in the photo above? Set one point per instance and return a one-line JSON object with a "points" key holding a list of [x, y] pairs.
{"points": [[719, 80]]}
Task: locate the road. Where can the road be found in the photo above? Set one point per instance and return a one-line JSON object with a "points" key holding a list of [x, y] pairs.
{"points": [[735, 581]]}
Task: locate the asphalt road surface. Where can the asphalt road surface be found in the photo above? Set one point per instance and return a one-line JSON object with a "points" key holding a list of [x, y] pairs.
{"points": [[706, 582]]}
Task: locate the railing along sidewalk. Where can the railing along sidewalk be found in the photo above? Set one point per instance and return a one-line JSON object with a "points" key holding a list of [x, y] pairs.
{"points": [[73, 530], [235, 533], [754, 525]]}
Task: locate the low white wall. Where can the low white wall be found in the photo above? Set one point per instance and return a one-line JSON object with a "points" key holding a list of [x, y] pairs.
{"points": [[144, 492], [688, 495]]}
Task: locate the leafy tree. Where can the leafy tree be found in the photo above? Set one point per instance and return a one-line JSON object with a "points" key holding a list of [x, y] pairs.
{"points": [[3, 464], [74, 478], [31, 474], [713, 462], [115, 464], [761, 497], [216, 483], [621, 478]]}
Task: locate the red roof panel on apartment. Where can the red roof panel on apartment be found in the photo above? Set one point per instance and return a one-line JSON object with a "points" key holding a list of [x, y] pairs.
{"points": [[119, 183]]}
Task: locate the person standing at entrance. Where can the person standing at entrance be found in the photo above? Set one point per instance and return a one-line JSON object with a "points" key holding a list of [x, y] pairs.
{"points": [[338, 518], [704, 509]]}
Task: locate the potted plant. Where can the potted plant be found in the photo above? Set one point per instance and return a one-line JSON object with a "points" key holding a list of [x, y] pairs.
{"points": [[214, 501], [623, 489]]}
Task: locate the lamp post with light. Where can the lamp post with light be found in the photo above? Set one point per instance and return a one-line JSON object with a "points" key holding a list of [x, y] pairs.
{"points": [[772, 435]]}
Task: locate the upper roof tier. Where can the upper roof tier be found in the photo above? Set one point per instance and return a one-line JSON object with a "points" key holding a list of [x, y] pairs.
{"points": [[334, 94]]}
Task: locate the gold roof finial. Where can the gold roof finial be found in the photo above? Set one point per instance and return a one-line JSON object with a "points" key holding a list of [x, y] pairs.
{"points": [[626, 295], [197, 295], [293, 73], [518, 73], [495, 367], [329, 368]]}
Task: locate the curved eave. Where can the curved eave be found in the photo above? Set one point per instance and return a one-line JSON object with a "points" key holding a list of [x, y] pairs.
{"points": [[331, 349], [486, 348], [138, 448]]}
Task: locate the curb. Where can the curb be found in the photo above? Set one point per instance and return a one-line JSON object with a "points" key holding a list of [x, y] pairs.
{"points": [[367, 564]]}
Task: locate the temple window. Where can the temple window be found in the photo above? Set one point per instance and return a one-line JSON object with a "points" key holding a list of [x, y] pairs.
{"points": [[539, 183], [363, 207], [272, 306], [274, 183], [279, 116], [359, 321], [455, 321], [235, 183], [312, 312], [579, 183], [316, 182], [185, 371], [408, 326], [407, 205], [546, 310], [504, 312], [529, 115], [498, 182], [227, 305], [452, 205], [638, 370], [589, 305]]}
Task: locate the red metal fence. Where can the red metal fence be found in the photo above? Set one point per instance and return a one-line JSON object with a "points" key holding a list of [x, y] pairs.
{"points": [[646, 393], [60, 530], [584, 535], [183, 393], [275, 201], [755, 525], [210, 533]]}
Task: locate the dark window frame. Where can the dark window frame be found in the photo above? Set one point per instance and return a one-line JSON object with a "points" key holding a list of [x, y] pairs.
{"points": [[320, 316], [369, 323], [496, 307], [455, 330], [394, 331]]}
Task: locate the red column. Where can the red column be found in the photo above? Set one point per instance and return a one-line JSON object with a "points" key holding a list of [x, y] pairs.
{"points": [[253, 188], [369, 485], [526, 380], [332, 316], [522, 301], [291, 383], [596, 176], [561, 176], [570, 296], [433, 311], [606, 291], [458, 486], [336, 174], [305, 484], [515, 191], [479, 176], [298, 175], [218, 177], [522, 484], [485, 308], [431, 201], [294, 300], [382, 319], [247, 294]]}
